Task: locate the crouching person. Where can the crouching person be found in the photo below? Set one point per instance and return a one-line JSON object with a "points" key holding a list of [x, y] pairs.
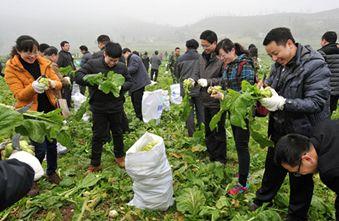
{"points": [[107, 109], [301, 155]]}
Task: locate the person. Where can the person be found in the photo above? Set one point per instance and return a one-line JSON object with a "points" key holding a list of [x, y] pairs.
{"points": [[137, 71], [188, 66], [145, 60], [299, 82], [253, 54], [42, 48], [155, 64], [51, 54], [238, 67], [86, 55], [22, 74], [209, 75], [136, 53], [16, 180], [1, 74], [102, 41], [106, 108], [330, 52], [172, 62], [301, 155], [65, 59]]}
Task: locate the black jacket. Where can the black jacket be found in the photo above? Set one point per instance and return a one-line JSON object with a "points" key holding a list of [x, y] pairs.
{"points": [[100, 54], [136, 69], [210, 69], [98, 100], [65, 59], [331, 55], [16, 179], [145, 60], [188, 66], [86, 57], [304, 82], [326, 142]]}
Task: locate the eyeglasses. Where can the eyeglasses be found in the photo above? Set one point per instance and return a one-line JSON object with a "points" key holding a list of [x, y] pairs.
{"points": [[206, 46], [297, 174]]}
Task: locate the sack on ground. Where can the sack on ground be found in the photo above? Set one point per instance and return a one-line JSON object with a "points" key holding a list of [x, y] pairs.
{"points": [[151, 174], [175, 94], [152, 105]]}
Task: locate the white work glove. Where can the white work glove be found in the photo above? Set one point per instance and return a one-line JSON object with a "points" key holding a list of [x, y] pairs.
{"points": [[31, 160], [38, 87], [202, 82], [274, 103], [68, 80], [52, 83]]}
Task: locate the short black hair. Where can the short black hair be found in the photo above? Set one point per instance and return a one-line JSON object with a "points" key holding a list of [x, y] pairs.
{"points": [[24, 43], [43, 47], [192, 44], [103, 39], [83, 48], [330, 37], [51, 51], [279, 35], [113, 50], [209, 36], [126, 50], [177, 48], [156, 52], [62, 44], [290, 148]]}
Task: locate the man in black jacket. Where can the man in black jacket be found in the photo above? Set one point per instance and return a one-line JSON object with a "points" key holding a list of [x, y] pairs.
{"points": [[102, 41], [210, 73], [107, 109], [65, 59], [299, 83], [137, 71], [301, 155], [330, 52], [188, 66]]}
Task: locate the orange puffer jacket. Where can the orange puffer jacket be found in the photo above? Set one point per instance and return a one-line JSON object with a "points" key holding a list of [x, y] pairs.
{"points": [[20, 82]]}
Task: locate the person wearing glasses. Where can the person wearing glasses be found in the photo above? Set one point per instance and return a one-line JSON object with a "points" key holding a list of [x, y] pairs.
{"points": [[300, 86], [209, 75], [301, 155]]}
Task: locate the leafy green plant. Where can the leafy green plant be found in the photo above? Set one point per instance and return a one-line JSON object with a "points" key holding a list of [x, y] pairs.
{"points": [[108, 83], [191, 201], [67, 71], [186, 106], [240, 108]]}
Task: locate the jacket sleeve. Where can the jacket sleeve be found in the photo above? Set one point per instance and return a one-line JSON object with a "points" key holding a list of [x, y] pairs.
{"points": [[128, 81], [82, 72], [20, 92], [133, 66], [16, 179], [316, 91], [61, 60]]}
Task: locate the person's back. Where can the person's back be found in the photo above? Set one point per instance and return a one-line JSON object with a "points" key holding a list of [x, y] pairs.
{"points": [[155, 61]]}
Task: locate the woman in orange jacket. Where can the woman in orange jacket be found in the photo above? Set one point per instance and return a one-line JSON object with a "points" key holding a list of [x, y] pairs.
{"points": [[22, 74]]}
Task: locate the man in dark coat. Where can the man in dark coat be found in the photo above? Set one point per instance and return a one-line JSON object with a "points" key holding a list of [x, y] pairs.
{"points": [[300, 88], [210, 73], [137, 71], [330, 51], [145, 60], [301, 155], [107, 109], [188, 66]]}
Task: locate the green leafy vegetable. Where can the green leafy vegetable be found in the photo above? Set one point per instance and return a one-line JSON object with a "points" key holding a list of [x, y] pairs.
{"points": [[191, 200], [109, 83], [186, 106], [67, 71]]}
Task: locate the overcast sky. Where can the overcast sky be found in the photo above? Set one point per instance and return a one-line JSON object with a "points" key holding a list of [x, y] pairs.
{"points": [[171, 12]]}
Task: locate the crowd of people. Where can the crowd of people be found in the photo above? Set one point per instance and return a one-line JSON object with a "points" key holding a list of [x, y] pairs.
{"points": [[304, 85]]}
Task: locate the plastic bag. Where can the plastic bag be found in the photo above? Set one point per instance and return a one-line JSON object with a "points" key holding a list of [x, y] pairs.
{"points": [[175, 94], [152, 105], [151, 174], [77, 97], [31, 160]]}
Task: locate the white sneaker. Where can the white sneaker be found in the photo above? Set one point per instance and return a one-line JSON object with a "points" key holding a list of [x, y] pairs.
{"points": [[61, 149]]}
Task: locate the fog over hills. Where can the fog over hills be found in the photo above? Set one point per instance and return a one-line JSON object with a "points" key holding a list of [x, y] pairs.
{"points": [[138, 35]]}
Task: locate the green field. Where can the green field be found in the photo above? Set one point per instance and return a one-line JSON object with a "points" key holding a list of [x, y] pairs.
{"points": [[200, 186]]}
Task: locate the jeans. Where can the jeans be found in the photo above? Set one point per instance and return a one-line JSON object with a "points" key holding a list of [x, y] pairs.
{"points": [[48, 149]]}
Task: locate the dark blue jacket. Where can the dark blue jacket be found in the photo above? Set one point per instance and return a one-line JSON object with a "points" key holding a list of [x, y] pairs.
{"points": [[304, 82]]}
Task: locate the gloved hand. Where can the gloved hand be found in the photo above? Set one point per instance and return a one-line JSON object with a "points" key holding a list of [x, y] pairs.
{"points": [[67, 80], [31, 160], [274, 103], [218, 95], [203, 82], [38, 87], [51, 83]]}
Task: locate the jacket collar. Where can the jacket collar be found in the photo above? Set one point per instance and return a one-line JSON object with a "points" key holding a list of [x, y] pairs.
{"points": [[16, 64]]}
